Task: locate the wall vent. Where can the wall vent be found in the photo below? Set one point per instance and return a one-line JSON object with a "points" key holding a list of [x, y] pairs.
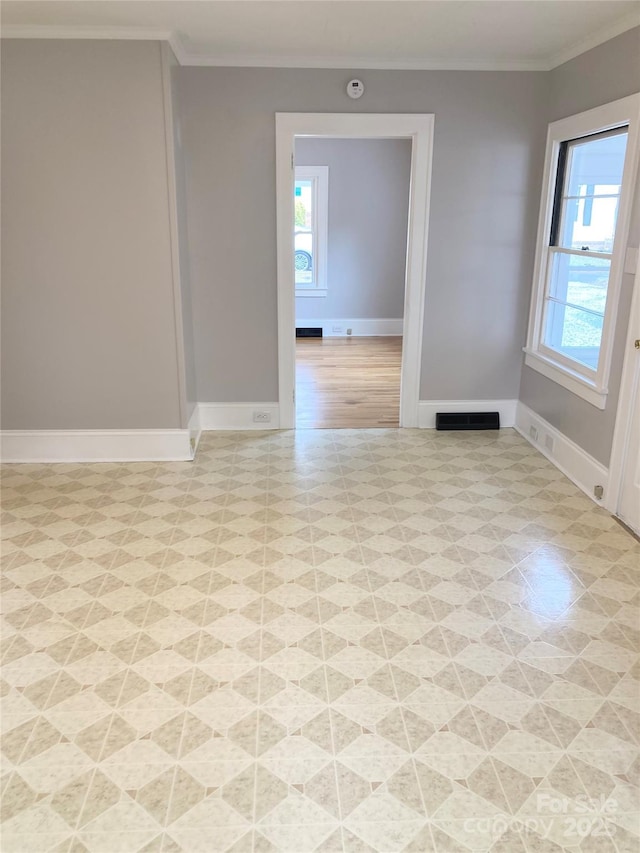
{"points": [[468, 420], [309, 332]]}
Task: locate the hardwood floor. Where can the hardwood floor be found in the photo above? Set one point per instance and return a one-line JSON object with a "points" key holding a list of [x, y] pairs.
{"points": [[348, 382]]}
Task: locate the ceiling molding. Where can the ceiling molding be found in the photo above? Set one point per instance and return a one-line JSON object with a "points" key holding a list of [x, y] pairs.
{"points": [[187, 57], [180, 52], [628, 22], [32, 31], [351, 63]]}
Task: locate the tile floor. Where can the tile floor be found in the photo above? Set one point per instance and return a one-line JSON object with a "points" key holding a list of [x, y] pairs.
{"points": [[330, 641]]}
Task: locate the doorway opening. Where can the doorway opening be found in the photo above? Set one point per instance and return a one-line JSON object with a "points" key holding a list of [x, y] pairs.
{"points": [[348, 383], [351, 202], [403, 354]]}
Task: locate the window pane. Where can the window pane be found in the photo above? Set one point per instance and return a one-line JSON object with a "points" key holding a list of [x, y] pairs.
{"points": [[589, 222], [574, 333], [596, 163], [588, 208], [304, 231], [580, 280]]}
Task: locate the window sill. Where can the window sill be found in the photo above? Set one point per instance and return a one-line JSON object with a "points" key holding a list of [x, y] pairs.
{"points": [[311, 291], [572, 381]]}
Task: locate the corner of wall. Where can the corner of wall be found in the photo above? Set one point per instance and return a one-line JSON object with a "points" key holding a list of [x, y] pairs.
{"points": [[583, 470]]}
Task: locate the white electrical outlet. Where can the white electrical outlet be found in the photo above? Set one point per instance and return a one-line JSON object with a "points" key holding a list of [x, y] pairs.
{"points": [[548, 443], [533, 432], [349, 331], [262, 417]]}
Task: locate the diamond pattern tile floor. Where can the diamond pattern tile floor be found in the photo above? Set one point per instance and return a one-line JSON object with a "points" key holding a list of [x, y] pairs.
{"points": [[373, 640]]}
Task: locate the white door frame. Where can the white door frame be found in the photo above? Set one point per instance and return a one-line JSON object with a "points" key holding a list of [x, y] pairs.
{"points": [[419, 129], [628, 391]]}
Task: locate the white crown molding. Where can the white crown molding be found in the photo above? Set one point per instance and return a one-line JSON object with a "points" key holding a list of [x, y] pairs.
{"points": [[189, 58], [350, 63], [235, 60], [628, 22], [33, 31], [176, 42]]}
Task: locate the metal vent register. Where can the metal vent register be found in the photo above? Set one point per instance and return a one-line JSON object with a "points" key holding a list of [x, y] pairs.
{"points": [[468, 420]]}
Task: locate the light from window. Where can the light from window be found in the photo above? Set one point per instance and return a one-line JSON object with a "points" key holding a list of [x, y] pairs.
{"points": [[590, 172], [305, 230], [583, 226], [310, 237]]}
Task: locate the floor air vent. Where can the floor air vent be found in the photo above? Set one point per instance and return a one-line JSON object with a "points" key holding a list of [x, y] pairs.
{"points": [[468, 420], [309, 332]]}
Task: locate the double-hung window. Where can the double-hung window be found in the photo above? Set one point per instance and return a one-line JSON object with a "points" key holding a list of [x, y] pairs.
{"points": [[311, 200], [587, 194]]}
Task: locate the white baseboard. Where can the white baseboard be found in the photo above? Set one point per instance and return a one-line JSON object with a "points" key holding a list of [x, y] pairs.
{"points": [[93, 445], [237, 416], [574, 462], [427, 410], [360, 328]]}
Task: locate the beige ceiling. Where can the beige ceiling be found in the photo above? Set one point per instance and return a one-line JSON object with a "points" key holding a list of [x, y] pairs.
{"points": [[518, 34]]}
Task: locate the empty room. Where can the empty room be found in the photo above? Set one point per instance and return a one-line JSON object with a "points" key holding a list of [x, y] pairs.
{"points": [[269, 586]]}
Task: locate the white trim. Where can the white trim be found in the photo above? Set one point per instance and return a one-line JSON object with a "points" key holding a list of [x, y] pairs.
{"points": [[603, 34], [320, 233], [178, 47], [185, 57], [303, 293], [174, 241], [429, 408], [236, 416], [574, 462], [360, 327], [417, 127], [241, 60], [98, 32], [93, 445], [614, 114], [195, 429], [624, 415], [573, 382]]}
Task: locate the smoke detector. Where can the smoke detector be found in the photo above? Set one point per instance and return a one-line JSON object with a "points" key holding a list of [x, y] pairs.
{"points": [[355, 88]]}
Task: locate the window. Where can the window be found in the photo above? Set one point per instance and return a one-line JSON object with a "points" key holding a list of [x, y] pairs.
{"points": [[587, 194], [310, 234]]}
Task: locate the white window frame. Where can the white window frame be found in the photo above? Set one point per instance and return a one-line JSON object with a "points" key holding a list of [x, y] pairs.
{"points": [[321, 230], [591, 385]]}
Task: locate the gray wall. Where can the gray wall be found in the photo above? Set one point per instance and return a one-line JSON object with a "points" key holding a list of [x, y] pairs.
{"points": [[368, 211], [489, 148], [606, 73], [88, 316], [191, 391], [88, 335]]}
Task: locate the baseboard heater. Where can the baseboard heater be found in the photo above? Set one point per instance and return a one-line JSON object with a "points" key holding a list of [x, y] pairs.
{"points": [[468, 420], [309, 332]]}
